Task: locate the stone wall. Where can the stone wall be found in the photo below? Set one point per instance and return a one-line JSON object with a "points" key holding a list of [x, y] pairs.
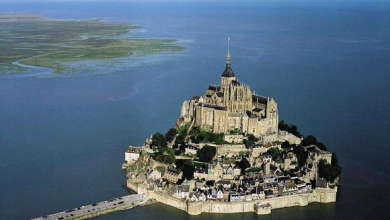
{"points": [[196, 208], [234, 149]]}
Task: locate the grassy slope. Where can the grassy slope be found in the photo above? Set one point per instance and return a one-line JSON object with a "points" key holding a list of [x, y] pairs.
{"points": [[49, 42]]}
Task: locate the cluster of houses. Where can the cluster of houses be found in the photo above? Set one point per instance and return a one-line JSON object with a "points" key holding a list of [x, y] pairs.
{"points": [[250, 187], [223, 179]]}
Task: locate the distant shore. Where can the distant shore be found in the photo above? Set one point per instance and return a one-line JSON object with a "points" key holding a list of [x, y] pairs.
{"points": [[34, 40]]}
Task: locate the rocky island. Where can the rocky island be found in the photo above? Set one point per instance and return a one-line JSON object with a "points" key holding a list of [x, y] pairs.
{"points": [[228, 153]]}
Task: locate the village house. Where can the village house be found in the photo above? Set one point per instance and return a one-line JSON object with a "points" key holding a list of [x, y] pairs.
{"points": [[268, 178], [153, 174], [190, 149], [132, 154], [287, 189], [236, 196], [257, 149], [200, 173], [173, 175]]}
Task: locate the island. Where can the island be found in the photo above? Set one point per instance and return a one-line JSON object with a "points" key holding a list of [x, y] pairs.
{"points": [[35, 40], [228, 153]]}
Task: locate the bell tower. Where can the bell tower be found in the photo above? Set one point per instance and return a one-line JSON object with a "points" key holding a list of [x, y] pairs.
{"points": [[227, 74]]}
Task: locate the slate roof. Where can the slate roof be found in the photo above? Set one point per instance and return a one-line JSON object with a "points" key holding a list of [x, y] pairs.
{"points": [[212, 106], [236, 83], [214, 87], [259, 99], [228, 72], [195, 97]]}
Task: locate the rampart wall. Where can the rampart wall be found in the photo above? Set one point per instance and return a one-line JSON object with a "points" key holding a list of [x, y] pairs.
{"points": [[196, 208]]}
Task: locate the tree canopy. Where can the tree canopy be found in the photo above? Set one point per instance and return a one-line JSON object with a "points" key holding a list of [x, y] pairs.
{"points": [[301, 155], [328, 171], [159, 140], [289, 128], [170, 135], [251, 140], [244, 164], [207, 153], [311, 140]]}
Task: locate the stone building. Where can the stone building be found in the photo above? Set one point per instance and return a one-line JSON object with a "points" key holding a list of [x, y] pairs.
{"points": [[191, 150], [231, 105], [173, 175], [132, 154]]}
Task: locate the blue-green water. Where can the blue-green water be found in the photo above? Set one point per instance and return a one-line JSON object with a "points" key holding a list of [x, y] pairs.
{"points": [[327, 64]]}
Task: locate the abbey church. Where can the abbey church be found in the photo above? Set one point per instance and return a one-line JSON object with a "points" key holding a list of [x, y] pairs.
{"points": [[231, 106]]}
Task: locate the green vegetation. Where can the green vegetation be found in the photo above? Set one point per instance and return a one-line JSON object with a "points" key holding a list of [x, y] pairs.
{"points": [[244, 164], [210, 182], [200, 136], [182, 134], [159, 140], [311, 140], [168, 159], [236, 131], [47, 42], [301, 155], [188, 168], [141, 165], [329, 171], [254, 170], [170, 135], [289, 128], [251, 140], [188, 171], [275, 153], [286, 145], [161, 170], [207, 153]]}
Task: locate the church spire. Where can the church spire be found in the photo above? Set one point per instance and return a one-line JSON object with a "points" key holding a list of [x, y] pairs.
{"points": [[228, 53], [228, 72]]}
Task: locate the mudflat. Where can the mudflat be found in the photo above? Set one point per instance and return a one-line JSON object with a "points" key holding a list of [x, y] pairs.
{"points": [[35, 40]]}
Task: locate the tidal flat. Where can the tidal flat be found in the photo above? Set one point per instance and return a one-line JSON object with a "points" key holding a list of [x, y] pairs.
{"points": [[35, 40]]}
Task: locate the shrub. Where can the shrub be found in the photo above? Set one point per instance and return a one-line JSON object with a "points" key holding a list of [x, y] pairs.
{"points": [[289, 128], [159, 140], [207, 153], [170, 135]]}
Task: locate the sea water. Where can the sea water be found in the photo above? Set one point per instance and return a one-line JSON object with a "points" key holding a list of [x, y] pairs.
{"points": [[326, 63]]}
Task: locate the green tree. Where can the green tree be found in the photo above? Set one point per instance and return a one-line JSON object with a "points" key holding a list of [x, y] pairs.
{"points": [[328, 171], [219, 139], [172, 157], [244, 164], [275, 153], [251, 140], [207, 153], [159, 140], [210, 182], [188, 171], [289, 128], [170, 135], [311, 140], [236, 131], [335, 160], [285, 145], [180, 139], [301, 155]]}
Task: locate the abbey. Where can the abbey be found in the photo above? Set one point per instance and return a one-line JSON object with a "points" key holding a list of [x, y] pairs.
{"points": [[231, 106]]}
